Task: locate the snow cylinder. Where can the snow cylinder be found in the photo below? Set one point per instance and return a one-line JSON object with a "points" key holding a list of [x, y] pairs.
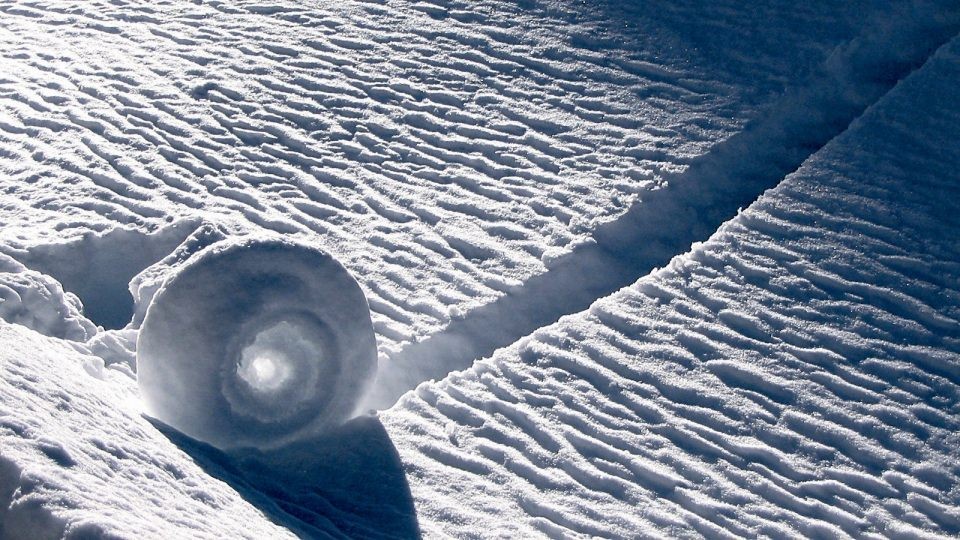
{"points": [[256, 343]]}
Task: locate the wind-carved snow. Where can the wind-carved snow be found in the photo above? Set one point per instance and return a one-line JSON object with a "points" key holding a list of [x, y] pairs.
{"points": [[448, 154], [445, 153], [796, 375], [697, 201]]}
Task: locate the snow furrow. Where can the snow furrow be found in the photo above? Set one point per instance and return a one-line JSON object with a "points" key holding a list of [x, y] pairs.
{"points": [[695, 202], [478, 141], [795, 375]]}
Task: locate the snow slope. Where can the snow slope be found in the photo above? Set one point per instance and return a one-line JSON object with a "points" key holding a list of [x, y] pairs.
{"points": [[444, 152], [77, 459], [797, 374]]}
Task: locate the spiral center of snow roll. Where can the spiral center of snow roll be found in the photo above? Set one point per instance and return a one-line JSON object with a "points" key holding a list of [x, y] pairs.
{"points": [[269, 363], [264, 372], [280, 362]]}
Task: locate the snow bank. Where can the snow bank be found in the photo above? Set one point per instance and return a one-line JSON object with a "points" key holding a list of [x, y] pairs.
{"points": [[39, 302], [255, 343], [78, 460]]}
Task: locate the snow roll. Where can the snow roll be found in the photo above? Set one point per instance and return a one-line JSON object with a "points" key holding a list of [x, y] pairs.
{"points": [[256, 343]]}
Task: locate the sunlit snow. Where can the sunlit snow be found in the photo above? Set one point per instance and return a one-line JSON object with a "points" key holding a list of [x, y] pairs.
{"points": [[479, 269]]}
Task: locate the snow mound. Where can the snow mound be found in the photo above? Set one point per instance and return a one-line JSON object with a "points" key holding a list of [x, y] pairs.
{"points": [[39, 302], [256, 343]]}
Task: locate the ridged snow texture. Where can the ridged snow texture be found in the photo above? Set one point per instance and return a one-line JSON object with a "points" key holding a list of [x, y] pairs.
{"points": [[798, 375], [445, 152], [255, 343]]}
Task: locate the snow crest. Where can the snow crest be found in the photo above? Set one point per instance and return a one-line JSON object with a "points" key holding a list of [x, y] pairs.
{"points": [[256, 343]]}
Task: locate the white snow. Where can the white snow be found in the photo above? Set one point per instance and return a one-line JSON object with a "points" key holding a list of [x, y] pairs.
{"points": [[444, 155], [256, 343], [691, 204], [796, 375], [78, 460], [186, 190], [39, 302]]}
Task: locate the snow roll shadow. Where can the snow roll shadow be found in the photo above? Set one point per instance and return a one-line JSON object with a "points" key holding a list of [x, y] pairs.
{"points": [[345, 482], [256, 343]]}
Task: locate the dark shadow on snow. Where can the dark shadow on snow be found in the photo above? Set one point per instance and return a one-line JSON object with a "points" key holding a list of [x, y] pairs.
{"points": [[346, 483]]}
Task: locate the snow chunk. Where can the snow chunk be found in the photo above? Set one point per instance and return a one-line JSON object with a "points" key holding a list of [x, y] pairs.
{"points": [[256, 343], [39, 302]]}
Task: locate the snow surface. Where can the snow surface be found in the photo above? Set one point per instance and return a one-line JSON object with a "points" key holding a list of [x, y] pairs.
{"points": [[692, 204], [796, 375], [78, 460], [445, 153], [483, 168]]}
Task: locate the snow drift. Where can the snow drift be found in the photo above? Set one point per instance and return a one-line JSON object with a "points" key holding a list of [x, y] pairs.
{"points": [[256, 343], [39, 302]]}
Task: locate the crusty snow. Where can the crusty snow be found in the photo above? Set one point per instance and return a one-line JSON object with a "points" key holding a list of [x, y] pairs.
{"points": [[798, 374], [480, 169]]}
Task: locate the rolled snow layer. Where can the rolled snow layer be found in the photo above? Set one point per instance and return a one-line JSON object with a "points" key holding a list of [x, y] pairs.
{"points": [[256, 343]]}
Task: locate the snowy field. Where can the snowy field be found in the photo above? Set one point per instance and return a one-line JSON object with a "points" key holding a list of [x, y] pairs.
{"points": [[745, 217]]}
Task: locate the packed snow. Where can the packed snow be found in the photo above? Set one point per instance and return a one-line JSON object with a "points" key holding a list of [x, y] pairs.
{"points": [[256, 343], [229, 231]]}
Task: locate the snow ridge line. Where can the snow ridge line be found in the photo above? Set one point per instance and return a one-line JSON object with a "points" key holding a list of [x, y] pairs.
{"points": [[694, 204]]}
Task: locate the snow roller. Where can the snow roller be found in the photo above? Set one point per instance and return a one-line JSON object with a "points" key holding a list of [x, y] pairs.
{"points": [[256, 343]]}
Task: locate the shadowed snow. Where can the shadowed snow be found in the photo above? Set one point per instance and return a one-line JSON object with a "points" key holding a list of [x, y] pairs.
{"points": [[665, 222]]}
